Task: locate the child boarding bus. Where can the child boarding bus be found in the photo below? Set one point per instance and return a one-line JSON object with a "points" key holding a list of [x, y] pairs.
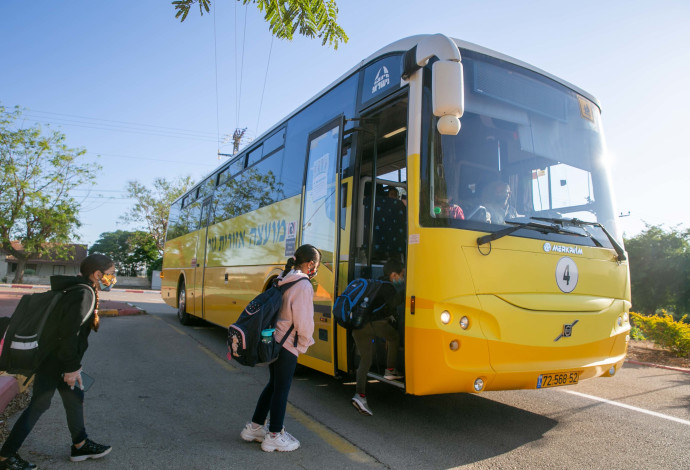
{"points": [[516, 275]]}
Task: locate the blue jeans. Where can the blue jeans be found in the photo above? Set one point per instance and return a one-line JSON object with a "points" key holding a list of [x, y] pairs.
{"points": [[275, 394], [45, 384]]}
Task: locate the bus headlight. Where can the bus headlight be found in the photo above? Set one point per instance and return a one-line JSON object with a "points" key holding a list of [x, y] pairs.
{"points": [[478, 385], [620, 321], [445, 317], [612, 370], [625, 317], [464, 323]]}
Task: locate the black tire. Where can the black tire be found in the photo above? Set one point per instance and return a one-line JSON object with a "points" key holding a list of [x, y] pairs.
{"points": [[182, 315]]}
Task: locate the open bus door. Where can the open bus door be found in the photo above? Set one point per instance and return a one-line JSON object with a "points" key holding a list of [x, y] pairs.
{"points": [[379, 230], [320, 216]]}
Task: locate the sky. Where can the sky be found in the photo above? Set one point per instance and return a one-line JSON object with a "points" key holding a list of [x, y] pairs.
{"points": [[148, 96]]}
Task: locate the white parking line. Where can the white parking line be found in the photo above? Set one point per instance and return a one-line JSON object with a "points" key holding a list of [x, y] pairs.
{"points": [[629, 407]]}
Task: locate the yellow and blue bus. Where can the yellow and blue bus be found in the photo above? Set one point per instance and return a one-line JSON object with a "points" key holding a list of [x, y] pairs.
{"points": [[504, 219]]}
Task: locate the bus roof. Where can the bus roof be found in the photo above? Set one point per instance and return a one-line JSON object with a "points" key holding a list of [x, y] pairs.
{"points": [[403, 45]]}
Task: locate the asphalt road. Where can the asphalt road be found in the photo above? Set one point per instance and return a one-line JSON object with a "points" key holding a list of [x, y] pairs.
{"points": [[165, 397]]}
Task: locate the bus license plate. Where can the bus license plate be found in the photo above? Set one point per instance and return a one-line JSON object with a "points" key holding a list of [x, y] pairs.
{"points": [[558, 379]]}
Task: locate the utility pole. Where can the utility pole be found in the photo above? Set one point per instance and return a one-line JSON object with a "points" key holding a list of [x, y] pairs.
{"points": [[236, 139]]}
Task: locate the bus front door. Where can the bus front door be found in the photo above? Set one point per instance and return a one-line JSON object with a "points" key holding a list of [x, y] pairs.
{"points": [[319, 223]]}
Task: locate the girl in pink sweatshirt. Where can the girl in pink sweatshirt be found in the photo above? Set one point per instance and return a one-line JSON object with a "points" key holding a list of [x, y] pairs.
{"points": [[297, 309]]}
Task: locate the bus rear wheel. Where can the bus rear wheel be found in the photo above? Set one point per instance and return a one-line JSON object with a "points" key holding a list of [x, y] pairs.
{"points": [[182, 315]]}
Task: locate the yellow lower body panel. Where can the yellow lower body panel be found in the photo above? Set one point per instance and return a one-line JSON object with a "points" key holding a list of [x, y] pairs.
{"points": [[431, 366], [434, 366]]}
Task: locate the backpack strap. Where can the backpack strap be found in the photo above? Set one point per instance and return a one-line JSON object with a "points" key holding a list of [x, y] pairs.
{"points": [[287, 285], [287, 333], [93, 299], [283, 288]]}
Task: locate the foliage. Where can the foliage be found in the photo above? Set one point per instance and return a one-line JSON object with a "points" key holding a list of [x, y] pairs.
{"points": [[37, 173], [131, 251], [665, 331], [310, 18], [152, 205], [660, 270], [636, 333], [246, 192], [156, 265]]}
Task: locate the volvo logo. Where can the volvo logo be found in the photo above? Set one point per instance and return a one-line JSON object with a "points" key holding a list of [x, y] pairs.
{"points": [[567, 331]]}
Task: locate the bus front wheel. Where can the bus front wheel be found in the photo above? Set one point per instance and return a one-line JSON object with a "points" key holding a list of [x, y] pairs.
{"points": [[182, 314]]}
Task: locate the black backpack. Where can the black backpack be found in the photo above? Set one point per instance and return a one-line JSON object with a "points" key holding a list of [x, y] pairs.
{"points": [[245, 343], [20, 349], [359, 304]]}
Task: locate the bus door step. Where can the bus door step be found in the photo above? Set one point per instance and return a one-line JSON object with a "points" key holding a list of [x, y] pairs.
{"points": [[380, 378]]}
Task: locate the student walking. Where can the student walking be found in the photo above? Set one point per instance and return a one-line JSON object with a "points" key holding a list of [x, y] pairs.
{"points": [[297, 309], [66, 337]]}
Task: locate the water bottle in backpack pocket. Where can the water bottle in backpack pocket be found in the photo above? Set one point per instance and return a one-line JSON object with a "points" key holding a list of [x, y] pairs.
{"points": [[246, 341]]}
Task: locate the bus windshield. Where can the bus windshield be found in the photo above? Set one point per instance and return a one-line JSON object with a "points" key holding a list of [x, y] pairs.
{"points": [[528, 148]]}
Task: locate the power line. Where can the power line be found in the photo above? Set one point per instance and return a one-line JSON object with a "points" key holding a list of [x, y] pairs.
{"points": [[244, 43], [137, 124], [261, 102], [215, 62], [196, 164], [115, 128]]}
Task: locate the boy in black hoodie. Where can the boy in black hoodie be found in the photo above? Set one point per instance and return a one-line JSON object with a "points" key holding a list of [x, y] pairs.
{"points": [[65, 339]]}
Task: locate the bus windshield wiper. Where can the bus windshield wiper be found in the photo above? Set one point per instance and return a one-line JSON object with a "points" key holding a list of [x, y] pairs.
{"points": [[543, 228], [581, 223]]}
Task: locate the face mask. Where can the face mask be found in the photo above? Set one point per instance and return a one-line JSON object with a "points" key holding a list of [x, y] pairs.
{"points": [[312, 273], [107, 282], [399, 283]]}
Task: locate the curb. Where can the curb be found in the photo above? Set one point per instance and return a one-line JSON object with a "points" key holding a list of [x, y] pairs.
{"points": [[121, 312], [46, 286], [9, 388], [659, 366]]}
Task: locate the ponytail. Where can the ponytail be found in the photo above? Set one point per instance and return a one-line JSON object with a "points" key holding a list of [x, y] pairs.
{"points": [[303, 254]]}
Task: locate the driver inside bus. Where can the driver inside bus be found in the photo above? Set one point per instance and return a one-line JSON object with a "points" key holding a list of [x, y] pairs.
{"points": [[496, 200]]}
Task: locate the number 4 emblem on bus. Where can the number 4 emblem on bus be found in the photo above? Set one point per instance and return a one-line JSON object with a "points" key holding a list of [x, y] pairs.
{"points": [[567, 330]]}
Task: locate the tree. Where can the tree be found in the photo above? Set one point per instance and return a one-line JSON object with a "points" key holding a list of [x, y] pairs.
{"points": [[660, 270], [152, 205], [130, 251], [37, 173], [310, 18]]}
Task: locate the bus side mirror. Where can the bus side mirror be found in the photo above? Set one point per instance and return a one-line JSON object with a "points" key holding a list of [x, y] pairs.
{"points": [[447, 95]]}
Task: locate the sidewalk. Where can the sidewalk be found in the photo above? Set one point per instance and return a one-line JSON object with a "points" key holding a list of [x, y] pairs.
{"points": [[9, 298]]}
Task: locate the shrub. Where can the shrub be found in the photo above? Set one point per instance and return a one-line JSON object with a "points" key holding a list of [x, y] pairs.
{"points": [[665, 331], [636, 333]]}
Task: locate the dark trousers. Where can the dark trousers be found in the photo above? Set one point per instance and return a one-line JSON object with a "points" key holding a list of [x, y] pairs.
{"points": [[45, 384], [364, 339], [275, 394]]}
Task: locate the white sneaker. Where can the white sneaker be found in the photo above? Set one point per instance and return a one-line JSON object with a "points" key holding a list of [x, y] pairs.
{"points": [[251, 433], [360, 403], [281, 441], [392, 374]]}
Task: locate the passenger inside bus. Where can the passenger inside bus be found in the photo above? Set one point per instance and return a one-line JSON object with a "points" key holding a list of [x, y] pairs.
{"points": [[394, 297]]}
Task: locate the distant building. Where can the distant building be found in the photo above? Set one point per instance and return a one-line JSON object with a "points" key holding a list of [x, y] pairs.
{"points": [[38, 270]]}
